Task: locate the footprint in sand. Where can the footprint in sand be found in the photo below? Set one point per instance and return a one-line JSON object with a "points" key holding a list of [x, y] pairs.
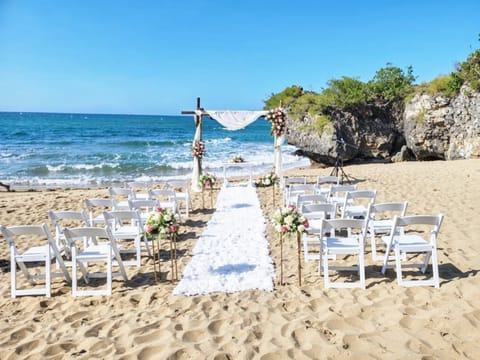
{"points": [[185, 354], [195, 336], [28, 347], [157, 335]]}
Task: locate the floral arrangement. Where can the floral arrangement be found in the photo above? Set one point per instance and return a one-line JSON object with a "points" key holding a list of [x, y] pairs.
{"points": [[198, 149], [238, 159], [278, 118], [207, 180], [290, 220], [161, 221], [268, 180]]}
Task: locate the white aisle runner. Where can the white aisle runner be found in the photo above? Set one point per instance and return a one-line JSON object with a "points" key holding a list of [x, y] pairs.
{"points": [[232, 253]]}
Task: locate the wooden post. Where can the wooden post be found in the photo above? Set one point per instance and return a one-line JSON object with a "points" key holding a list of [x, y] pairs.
{"points": [[173, 256], [281, 259], [299, 259], [273, 193], [211, 196]]}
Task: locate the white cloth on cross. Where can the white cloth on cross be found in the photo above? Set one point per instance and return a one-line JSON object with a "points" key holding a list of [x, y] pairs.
{"points": [[235, 120]]}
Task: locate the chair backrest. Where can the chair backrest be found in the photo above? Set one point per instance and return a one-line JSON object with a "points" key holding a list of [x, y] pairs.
{"points": [[388, 209], [162, 194], [318, 211], [420, 220], [96, 207], [335, 180], [117, 218], [142, 205], [95, 235], [139, 189], [62, 219], [294, 180], [180, 184], [310, 199], [345, 227], [121, 195], [338, 190], [11, 232]]}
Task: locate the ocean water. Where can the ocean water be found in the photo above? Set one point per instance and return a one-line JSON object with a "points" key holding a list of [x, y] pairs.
{"points": [[78, 150]]}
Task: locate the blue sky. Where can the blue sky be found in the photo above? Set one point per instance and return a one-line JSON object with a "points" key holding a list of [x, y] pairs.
{"points": [[157, 56]]}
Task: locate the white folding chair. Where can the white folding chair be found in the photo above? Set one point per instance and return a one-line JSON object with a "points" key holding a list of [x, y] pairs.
{"points": [[294, 190], [167, 199], [101, 249], [121, 195], [356, 203], [289, 181], [324, 183], [139, 189], [24, 251], [380, 222], [342, 237], [127, 225], [303, 199], [143, 207], [315, 213], [95, 209], [337, 194], [62, 219], [414, 239], [182, 193]]}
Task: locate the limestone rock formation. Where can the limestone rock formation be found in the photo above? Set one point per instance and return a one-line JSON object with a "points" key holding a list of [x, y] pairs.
{"points": [[431, 127], [437, 127]]}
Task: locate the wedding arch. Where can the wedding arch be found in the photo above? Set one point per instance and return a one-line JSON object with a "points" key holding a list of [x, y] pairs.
{"points": [[232, 120]]}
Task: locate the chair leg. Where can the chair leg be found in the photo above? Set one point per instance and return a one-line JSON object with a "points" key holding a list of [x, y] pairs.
{"points": [[109, 273], [74, 273], [48, 279], [436, 281], [325, 271], [398, 264], [13, 276], [361, 264]]}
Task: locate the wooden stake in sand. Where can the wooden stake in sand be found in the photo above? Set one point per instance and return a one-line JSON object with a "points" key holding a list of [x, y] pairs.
{"points": [[173, 256], [299, 259], [156, 256], [281, 259]]}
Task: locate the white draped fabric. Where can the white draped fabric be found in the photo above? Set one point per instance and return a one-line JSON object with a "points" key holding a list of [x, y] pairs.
{"points": [[196, 163], [235, 120]]}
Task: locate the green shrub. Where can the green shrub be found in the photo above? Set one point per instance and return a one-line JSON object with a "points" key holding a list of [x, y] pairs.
{"points": [[321, 122]]}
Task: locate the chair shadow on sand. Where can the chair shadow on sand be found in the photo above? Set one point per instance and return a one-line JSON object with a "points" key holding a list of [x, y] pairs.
{"points": [[447, 273]]}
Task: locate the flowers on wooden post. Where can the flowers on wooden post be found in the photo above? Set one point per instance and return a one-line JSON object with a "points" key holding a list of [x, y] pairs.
{"points": [[207, 180], [287, 221], [278, 118], [268, 180], [238, 159], [163, 222], [198, 149]]}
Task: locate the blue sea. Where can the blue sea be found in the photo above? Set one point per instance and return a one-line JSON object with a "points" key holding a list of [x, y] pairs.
{"points": [[88, 150]]}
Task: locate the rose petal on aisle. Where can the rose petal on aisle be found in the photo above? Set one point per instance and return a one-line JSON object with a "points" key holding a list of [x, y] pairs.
{"points": [[232, 253]]}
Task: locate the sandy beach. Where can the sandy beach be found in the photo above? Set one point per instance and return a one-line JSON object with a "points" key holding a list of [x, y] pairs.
{"points": [[144, 320]]}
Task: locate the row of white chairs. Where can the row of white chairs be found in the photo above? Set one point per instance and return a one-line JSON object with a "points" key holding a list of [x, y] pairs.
{"points": [[102, 218], [336, 210], [177, 190]]}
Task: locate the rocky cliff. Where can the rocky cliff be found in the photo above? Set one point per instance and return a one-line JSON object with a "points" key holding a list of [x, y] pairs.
{"points": [[428, 128]]}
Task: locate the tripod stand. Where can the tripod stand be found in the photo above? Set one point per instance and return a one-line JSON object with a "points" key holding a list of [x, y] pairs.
{"points": [[338, 171]]}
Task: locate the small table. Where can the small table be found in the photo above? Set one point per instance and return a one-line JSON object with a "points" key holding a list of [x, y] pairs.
{"points": [[236, 165]]}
